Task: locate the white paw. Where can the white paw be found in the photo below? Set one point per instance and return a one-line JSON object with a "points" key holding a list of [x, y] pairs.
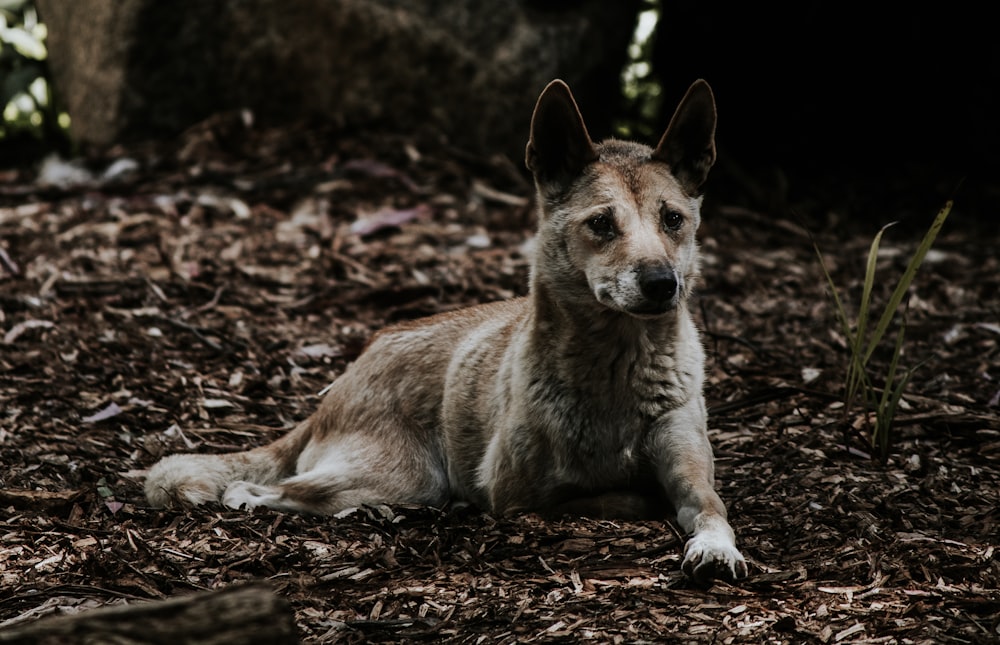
{"points": [[710, 555], [240, 494]]}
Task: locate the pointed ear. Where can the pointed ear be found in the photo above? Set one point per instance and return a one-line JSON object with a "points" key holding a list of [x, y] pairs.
{"points": [[559, 146], [688, 145]]}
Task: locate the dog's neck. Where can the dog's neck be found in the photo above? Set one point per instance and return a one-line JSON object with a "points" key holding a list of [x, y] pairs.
{"points": [[590, 336], [600, 354]]}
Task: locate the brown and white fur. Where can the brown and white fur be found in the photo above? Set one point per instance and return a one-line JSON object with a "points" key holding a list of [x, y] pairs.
{"points": [[584, 397]]}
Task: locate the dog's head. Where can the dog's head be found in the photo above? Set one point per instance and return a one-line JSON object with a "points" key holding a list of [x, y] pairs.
{"points": [[617, 220]]}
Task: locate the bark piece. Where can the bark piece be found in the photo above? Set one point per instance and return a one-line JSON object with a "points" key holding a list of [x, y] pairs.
{"points": [[247, 615]]}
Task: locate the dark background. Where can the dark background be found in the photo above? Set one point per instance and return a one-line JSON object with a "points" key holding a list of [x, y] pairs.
{"points": [[852, 102]]}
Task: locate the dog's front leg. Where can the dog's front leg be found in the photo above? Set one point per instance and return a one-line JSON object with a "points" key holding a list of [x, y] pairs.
{"points": [[686, 470]]}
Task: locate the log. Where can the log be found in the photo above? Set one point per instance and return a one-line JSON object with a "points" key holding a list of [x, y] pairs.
{"points": [[251, 615]]}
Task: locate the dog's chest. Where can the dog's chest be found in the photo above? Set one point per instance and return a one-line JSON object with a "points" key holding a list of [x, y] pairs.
{"points": [[598, 412]]}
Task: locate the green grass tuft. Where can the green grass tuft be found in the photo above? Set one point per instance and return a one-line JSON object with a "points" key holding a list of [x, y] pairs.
{"points": [[862, 343]]}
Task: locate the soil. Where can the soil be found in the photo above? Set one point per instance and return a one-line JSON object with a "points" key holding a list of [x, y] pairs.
{"points": [[201, 300]]}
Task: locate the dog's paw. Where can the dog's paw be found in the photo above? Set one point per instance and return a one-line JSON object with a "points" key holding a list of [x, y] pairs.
{"points": [[710, 556], [184, 480], [244, 494]]}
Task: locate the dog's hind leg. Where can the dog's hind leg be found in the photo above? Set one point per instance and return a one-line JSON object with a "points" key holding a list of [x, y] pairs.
{"points": [[313, 493], [190, 480], [323, 493], [348, 475]]}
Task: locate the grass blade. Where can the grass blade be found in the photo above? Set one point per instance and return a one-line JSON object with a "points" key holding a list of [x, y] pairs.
{"points": [[904, 282], [855, 371], [884, 412], [888, 414], [845, 325], [897, 351], [866, 293]]}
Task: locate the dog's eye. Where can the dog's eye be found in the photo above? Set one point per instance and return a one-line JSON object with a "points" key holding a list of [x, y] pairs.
{"points": [[603, 224], [672, 219]]}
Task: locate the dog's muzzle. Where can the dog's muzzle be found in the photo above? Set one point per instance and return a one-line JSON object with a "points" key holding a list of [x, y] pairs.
{"points": [[659, 285]]}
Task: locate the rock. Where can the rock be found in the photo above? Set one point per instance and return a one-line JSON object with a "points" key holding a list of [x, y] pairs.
{"points": [[466, 70]]}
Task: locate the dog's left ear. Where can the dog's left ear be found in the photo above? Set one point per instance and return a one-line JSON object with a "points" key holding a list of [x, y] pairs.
{"points": [[559, 146], [688, 145]]}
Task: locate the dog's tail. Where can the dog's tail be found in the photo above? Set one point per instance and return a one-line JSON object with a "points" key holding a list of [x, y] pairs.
{"points": [[190, 480]]}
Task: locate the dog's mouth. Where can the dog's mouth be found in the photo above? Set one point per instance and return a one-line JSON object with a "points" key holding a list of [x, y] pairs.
{"points": [[635, 305], [645, 309], [652, 309]]}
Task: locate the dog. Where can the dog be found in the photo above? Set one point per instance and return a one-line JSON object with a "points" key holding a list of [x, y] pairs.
{"points": [[584, 397]]}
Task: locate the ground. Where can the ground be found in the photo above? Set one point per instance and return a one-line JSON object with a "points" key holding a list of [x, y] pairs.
{"points": [[199, 300]]}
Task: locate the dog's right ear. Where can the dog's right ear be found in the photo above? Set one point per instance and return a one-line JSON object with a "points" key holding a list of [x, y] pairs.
{"points": [[688, 145], [559, 146]]}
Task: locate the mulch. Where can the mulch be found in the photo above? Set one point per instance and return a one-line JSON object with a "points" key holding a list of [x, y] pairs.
{"points": [[200, 296]]}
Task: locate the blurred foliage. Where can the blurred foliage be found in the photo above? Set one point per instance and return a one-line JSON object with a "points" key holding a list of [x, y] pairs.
{"points": [[641, 89], [25, 94]]}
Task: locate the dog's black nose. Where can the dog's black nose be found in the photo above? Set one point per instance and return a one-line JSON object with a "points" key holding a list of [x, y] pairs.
{"points": [[658, 284]]}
